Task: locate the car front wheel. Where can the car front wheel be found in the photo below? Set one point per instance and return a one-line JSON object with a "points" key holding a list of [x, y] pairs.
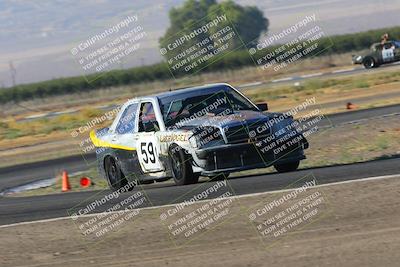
{"points": [[287, 167], [181, 167], [369, 63]]}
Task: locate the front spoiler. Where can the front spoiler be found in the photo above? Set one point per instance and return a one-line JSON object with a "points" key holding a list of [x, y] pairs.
{"points": [[250, 167], [240, 157]]}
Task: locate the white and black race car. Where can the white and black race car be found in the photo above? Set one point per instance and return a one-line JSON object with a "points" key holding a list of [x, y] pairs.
{"points": [[379, 54], [208, 130]]}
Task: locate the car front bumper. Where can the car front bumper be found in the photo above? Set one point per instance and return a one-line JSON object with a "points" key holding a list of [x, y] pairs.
{"points": [[239, 157]]}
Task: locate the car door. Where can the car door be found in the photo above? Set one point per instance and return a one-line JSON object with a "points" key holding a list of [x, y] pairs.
{"points": [[148, 146], [388, 52]]}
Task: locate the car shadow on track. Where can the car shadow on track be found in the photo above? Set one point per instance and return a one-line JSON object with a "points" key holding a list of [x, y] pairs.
{"points": [[377, 159]]}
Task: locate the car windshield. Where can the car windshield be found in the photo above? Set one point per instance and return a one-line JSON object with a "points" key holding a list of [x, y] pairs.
{"points": [[198, 103]]}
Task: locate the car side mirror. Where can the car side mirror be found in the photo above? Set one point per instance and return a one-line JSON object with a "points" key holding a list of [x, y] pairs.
{"points": [[262, 106]]}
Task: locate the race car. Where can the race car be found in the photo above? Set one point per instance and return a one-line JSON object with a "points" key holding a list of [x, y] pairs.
{"points": [[209, 130], [379, 54]]}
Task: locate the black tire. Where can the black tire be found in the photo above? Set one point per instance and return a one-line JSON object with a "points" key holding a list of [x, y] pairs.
{"points": [[287, 167], [369, 63], [115, 178], [181, 167]]}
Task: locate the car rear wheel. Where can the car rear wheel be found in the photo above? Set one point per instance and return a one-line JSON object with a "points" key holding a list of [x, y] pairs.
{"points": [[115, 177], [287, 167], [181, 167], [369, 63]]}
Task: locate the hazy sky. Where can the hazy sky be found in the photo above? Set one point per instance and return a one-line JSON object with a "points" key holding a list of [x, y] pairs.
{"points": [[37, 35]]}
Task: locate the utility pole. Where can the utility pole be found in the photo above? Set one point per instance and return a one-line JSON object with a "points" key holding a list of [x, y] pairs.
{"points": [[13, 72]]}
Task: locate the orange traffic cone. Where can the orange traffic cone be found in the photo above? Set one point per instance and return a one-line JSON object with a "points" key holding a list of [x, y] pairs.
{"points": [[350, 105], [65, 182]]}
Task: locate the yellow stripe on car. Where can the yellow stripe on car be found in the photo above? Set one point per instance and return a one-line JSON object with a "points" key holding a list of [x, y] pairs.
{"points": [[100, 143]]}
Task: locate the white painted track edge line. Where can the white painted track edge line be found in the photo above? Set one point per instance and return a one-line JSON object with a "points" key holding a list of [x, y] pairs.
{"points": [[343, 70], [312, 75], [283, 79]]}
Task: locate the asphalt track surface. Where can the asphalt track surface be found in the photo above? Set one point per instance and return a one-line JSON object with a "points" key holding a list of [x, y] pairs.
{"points": [[26, 173]]}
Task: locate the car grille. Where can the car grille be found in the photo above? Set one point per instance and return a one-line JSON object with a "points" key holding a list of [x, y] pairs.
{"points": [[240, 134]]}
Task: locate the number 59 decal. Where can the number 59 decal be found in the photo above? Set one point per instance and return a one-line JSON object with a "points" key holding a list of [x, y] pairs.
{"points": [[147, 150], [148, 154]]}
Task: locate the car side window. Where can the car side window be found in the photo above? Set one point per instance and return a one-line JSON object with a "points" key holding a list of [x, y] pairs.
{"points": [[126, 123], [147, 118], [387, 45]]}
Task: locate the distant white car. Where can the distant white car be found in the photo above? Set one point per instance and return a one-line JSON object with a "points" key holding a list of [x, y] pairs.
{"points": [[182, 134]]}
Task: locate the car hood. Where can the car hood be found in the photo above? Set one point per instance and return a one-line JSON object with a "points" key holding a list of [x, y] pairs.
{"points": [[235, 119]]}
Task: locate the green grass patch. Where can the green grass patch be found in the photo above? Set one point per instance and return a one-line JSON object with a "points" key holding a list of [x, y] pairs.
{"points": [[13, 129]]}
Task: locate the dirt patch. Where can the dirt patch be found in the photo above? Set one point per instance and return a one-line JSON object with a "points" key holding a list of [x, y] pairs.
{"points": [[359, 226], [366, 140]]}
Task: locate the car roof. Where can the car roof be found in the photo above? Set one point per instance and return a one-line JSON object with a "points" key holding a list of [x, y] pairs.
{"points": [[176, 92], [188, 90]]}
